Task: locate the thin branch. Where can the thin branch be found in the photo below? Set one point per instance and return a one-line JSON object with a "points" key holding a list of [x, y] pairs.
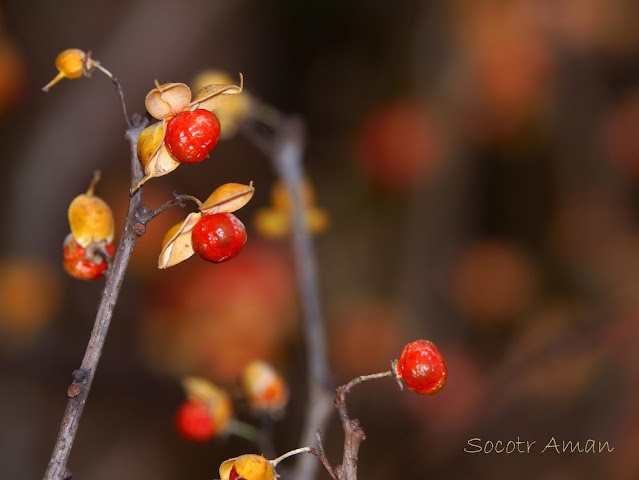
{"points": [[285, 146], [353, 432], [89, 64], [145, 214], [83, 377], [321, 454]]}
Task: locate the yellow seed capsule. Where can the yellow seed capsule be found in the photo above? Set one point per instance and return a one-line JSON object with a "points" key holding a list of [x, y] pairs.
{"points": [[218, 401], [70, 65], [248, 467], [90, 218], [264, 387]]}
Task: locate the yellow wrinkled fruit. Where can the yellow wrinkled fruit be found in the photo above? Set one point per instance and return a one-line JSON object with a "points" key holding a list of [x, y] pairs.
{"points": [[264, 387], [248, 467], [70, 65], [167, 100], [90, 218], [233, 109]]}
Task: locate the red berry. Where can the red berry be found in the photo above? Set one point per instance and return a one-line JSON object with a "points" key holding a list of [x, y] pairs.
{"points": [[78, 265], [191, 136], [422, 367], [218, 237], [233, 473], [194, 422]]}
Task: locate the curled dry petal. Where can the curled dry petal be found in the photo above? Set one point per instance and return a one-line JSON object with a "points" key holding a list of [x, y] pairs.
{"points": [[228, 198], [153, 154], [248, 467], [176, 246], [167, 100], [212, 96], [233, 109]]}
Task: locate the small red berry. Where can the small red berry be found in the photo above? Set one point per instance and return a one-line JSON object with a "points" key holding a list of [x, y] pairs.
{"points": [[218, 237], [194, 422], [78, 265], [422, 367], [191, 136]]}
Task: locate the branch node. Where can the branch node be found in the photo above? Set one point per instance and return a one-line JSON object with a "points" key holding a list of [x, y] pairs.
{"points": [[80, 376], [74, 390], [139, 228], [67, 474]]}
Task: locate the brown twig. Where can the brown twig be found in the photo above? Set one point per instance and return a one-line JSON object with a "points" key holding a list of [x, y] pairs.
{"points": [[321, 454], [353, 432], [178, 200], [83, 377]]}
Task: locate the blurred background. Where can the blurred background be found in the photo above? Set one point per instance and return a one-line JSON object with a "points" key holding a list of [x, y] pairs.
{"points": [[479, 160]]}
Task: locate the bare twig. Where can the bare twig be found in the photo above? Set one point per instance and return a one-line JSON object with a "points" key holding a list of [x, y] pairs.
{"points": [[83, 377], [177, 200], [353, 432], [90, 64], [285, 146], [321, 454]]}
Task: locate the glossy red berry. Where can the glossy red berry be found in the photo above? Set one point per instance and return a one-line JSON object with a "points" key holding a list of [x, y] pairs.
{"points": [[77, 265], [218, 237], [191, 135], [422, 367], [194, 421]]}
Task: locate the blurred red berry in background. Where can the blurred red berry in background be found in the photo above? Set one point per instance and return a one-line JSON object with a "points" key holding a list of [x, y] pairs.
{"points": [[399, 146]]}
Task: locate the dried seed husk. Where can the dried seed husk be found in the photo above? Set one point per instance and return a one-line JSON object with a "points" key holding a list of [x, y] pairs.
{"points": [[167, 100], [200, 389], [233, 109], [153, 154], [90, 219], [264, 387], [176, 245], [150, 142], [228, 198], [212, 96]]}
